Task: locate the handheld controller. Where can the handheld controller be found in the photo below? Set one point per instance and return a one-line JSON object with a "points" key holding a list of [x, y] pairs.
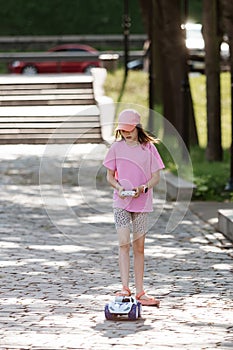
{"points": [[128, 193]]}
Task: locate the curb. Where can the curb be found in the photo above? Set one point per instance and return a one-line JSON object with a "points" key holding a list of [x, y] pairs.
{"points": [[225, 222]]}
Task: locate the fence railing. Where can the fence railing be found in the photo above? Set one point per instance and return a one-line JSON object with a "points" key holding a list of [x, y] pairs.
{"points": [[65, 56], [31, 43]]}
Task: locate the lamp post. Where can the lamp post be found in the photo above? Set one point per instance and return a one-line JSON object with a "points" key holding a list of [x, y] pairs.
{"points": [[229, 185], [151, 68], [126, 26], [185, 87]]}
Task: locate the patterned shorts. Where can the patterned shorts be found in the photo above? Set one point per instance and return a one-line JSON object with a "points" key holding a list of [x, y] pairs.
{"points": [[123, 219]]}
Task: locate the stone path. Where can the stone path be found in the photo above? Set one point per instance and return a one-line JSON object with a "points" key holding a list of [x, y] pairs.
{"points": [[58, 271]]}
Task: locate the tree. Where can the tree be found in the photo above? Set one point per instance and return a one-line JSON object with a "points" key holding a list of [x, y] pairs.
{"points": [[227, 15], [212, 37], [169, 57], [152, 23]]}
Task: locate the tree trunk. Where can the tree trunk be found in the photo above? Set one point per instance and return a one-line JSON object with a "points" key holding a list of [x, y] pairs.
{"points": [[174, 66], [169, 67], [227, 16], [152, 25], [156, 52], [212, 69]]}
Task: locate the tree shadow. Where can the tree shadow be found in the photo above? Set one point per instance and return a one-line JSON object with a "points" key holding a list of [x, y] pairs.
{"points": [[49, 279]]}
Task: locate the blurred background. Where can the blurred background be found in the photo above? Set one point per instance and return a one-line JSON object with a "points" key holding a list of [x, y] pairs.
{"points": [[173, 57]]}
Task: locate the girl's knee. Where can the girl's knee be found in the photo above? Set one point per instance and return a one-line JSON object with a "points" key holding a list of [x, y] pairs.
{"points": [[124, 246], [138, 245]]}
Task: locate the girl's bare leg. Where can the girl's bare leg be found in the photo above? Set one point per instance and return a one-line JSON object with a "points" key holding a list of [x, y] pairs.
{"points": [[138, 250], [124, 257]]}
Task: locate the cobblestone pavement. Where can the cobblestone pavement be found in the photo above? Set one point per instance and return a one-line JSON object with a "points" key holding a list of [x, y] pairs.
{"points": [[56, 276]]}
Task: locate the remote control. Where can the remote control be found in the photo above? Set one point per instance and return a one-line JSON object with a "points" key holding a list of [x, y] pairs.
{"points": [[128, 193]]}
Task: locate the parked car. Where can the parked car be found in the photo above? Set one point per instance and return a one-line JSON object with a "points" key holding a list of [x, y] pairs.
{"points": [[196, 50], [135, 64], [30, 68], [196, 47]]}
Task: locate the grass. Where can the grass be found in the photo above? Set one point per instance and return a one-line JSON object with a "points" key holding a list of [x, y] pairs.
{"points": [[210, 177], [197, 85], [134, 92]]}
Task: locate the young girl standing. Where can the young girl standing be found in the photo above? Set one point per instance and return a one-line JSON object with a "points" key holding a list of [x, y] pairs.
{"points": [[133, 163]]}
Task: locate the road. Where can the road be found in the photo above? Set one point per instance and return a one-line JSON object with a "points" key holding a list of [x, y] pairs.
{"points": [[59, 266]]}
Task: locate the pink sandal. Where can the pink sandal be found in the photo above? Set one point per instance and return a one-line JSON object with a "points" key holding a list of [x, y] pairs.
{"points": [[125, 292], [151, 301]]}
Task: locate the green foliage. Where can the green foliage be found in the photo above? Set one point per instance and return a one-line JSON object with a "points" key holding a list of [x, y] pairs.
{"points": [[167, 158], [59, 17], [195, 11], [210, 177]]}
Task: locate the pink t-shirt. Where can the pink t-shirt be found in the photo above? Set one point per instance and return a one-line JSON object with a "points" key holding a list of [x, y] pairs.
{"points": [[133, 166]]}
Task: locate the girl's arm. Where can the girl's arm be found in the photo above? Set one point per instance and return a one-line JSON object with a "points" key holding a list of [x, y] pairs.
{"points": [[154, 179], [150, 184], [113, 182]]}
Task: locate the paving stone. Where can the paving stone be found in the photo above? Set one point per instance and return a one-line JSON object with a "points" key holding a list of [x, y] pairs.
{"points": [[56, 275]]}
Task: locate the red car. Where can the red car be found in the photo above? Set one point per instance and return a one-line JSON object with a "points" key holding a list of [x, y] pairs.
{"points": [[30, 68]]}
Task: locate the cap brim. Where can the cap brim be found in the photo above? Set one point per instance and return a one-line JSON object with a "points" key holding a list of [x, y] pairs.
{"points": [[126, 127]]}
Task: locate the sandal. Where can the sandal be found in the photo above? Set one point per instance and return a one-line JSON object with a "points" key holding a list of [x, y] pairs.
{"points": [[149, 301], [125, 292]]}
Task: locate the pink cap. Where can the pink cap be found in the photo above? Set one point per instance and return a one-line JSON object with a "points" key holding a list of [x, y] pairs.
{"points": [[128, 119]]}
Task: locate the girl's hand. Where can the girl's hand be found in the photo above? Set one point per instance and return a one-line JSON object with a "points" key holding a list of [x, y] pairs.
{"points": [[120, 189], [138, 191]]}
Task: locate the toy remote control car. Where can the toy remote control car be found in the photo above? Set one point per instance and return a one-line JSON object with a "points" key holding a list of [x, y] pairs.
{"points": [[123, 305]]}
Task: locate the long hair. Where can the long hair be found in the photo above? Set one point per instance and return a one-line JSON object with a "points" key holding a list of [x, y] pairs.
{"points": [[143, 136]]}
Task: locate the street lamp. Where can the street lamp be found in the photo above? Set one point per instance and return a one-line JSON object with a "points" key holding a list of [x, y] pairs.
{"points": [[185, 87], [151, 68], [126, 26]]}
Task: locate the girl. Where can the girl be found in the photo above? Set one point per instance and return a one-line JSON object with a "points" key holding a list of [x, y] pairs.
{"points": [[133, 163]]}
